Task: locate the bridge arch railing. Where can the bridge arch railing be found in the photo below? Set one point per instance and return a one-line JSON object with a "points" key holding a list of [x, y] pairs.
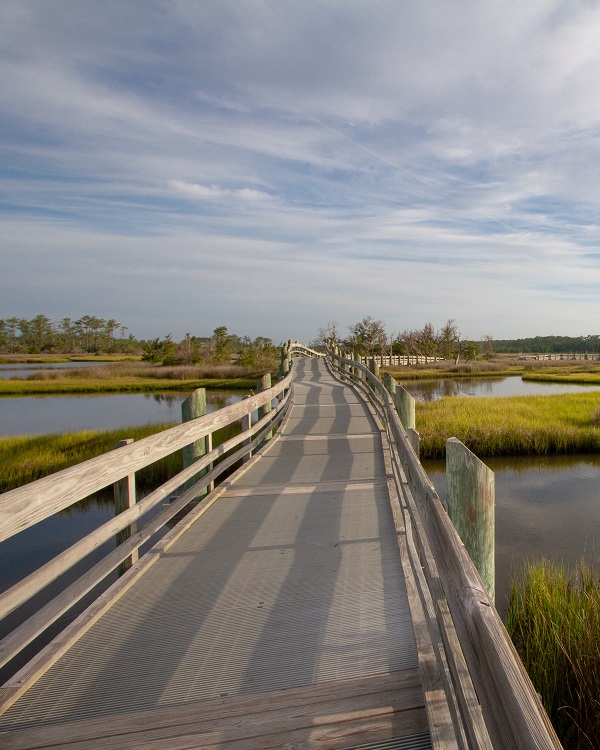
{"points": [[496, 704], [30, 504]]}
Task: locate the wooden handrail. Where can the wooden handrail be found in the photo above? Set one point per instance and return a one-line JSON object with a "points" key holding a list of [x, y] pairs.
{"points": [[511, 709], [32, 503], [25, 506]]}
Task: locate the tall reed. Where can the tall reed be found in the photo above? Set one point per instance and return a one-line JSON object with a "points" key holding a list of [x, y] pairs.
{"points": [[554, 621]]}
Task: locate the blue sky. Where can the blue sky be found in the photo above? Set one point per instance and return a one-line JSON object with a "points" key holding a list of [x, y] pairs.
{"points": [[272, 165]]}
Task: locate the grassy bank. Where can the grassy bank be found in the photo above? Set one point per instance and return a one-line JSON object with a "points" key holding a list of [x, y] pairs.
{"points": [[517, 425], [44, 359], [576, 375], [117, 385], [554, 622], [451, 371], [128, 377], [26, 458], [501, 367]]}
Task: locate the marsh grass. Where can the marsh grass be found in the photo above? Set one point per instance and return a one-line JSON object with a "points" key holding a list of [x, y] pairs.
{"points": [[554, 621], [131, 377], [501, 366], [517, 425], [589, 375], [26, 458], [440, 370]]}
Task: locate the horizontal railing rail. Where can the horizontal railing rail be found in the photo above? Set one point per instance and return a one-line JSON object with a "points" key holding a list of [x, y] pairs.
{"points": [[31, 504], [497, 703], [385, 360]]}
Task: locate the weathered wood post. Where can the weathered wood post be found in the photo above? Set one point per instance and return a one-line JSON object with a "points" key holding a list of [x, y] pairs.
{"points": [[264, 384], [471, 507], [390, 384], [124, 494], [246, 423], [195, 406], [374, 366], [405, 406], [284, 366]]}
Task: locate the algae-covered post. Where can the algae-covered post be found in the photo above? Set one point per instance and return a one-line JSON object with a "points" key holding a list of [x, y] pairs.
{"points": [[471, 507], [405, 406]]}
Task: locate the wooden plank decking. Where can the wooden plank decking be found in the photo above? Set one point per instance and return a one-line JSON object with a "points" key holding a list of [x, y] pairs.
{"points": [[279, 619]]}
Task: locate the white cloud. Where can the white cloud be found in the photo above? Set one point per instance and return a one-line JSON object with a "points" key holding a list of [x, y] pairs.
{"points": [[212, 192], [406, 160]]}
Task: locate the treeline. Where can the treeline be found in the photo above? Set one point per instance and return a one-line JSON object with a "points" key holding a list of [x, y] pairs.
{"points": [[221, 347], [369, 336], [88, 334], [549, 345], [92, 335]]}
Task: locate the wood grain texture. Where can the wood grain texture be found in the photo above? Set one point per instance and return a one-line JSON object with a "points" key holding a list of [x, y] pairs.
{"points": [[23, 507], [335, 714], [26, 588], [512, 711]]}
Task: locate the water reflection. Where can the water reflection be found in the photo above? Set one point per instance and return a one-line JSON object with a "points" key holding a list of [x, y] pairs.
{"points": [[30, 415], [432, 390], [545, 506]]}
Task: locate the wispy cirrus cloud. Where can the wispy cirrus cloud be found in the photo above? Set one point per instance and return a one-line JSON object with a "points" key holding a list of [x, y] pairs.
{"points": [[410, 161]]}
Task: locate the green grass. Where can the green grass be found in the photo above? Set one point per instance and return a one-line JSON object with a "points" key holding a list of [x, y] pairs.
{"points": [[26, 458], [554, 622], [518, 425], [117, 385], [576, 375], [465, 370], [131, 377]]}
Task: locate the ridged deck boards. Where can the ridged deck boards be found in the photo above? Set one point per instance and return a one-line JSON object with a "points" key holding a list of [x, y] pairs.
{"points": [[291, 581]]}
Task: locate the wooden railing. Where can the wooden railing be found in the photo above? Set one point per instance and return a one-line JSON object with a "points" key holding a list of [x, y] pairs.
{"points": [[28, 505], [385, 360], [490, 696]]}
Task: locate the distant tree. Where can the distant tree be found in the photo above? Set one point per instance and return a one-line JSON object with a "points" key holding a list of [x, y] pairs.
{"points": [[221, 345], [260, 353], [487, 346], [427, 341], [158, 350], [368, 336], [330, 332], [448, 339]]}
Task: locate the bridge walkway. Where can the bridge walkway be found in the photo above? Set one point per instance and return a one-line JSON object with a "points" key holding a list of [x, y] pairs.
{"points": [[279, 619]]}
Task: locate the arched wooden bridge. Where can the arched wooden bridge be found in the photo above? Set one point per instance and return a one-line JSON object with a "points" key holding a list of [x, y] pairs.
{"points": [[317, 597]]}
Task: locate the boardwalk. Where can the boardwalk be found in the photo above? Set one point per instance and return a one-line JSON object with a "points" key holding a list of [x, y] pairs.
{"points": [[279, 619]]}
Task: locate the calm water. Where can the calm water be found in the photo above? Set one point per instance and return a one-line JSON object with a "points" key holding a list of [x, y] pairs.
{"points": [[432, 390], [546, 506], [26, 415]]}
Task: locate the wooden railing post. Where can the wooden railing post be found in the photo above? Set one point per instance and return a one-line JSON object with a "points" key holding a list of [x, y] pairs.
{"points": [[246, 423], [194, 406], [405, 406], [471, 507], [284, 366], [414, 439], [390, 384], [124, 494], [263, 384]]}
